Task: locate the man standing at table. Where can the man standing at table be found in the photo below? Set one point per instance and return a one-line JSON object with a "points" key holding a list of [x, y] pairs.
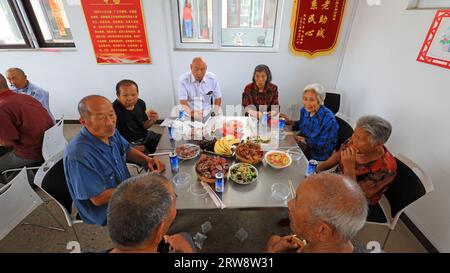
{"points": [[197, 88]]}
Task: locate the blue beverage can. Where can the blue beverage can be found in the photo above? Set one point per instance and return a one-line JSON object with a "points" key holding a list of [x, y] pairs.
{"points": [[282, 123], [181, 114], [173, 162], [219, 182], [170, 132], [311, 168]]}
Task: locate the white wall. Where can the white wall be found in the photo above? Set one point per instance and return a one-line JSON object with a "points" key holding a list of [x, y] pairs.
{"points": [[71, 75], [380, 75]]}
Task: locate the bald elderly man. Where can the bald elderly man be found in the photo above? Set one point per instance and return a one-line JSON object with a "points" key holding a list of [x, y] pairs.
{"points": [[20, 85], [327, 212], [197, 87], [95, 160]]}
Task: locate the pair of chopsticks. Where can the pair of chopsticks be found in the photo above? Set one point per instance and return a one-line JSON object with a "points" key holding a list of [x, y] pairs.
{"points": [[291, 187], [213, 196], [165, 153]]}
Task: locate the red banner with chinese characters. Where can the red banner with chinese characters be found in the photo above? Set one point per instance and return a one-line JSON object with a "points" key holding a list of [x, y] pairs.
{"points": [[315, 26], [117, 30]]}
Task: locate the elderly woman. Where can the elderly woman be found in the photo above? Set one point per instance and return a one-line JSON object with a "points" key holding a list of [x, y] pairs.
{"points": [[260, 92], [318, 128], [365, 158]]}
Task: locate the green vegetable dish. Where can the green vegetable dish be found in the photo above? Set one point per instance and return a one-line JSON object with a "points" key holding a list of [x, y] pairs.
{"points": [[243, 173]]}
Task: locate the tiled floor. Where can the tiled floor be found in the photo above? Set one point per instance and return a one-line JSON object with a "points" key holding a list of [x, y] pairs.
{"points": [[259, 225]]}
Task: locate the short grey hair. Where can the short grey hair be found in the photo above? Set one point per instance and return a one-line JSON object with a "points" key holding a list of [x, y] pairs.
{"points": [[340, 203], [83, 109], [16, 69], [318, 89], [379, 129], [137, 207]]}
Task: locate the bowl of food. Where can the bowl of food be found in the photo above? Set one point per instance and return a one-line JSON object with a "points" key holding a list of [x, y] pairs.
{"points": [[187, 151], [243, 173], [207, 167], [249, 152], [278, 159]]}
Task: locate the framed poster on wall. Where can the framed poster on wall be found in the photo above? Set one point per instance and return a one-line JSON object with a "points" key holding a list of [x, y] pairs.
{"points": [[436, 48], [117, 31]]}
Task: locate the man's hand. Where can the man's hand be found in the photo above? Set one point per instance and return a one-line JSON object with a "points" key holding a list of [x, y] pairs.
{"points": [[155, 165], [299, 139], [152, 115], [277, 244], [177, 243], [197, 114]]}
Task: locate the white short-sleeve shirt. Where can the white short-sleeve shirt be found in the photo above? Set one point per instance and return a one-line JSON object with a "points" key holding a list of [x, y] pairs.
{"points": [[196, 93]]}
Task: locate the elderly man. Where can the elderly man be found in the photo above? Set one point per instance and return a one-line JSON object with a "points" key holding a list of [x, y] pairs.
{"points": [[20, 84], [196, 89], [94, 161], [365, 159], [133, 119], [140, 212], [23, 122], [326, 214]]}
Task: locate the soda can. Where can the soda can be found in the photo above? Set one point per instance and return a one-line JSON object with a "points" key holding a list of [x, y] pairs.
{"points": [[181, 114], [170, 132], [173, 162], [311, 168], [219, 183], [282, 123]]}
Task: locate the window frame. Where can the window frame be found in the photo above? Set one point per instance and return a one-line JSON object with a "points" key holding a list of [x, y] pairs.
{"points": [[20, 24], [430, 5], [216, 45], [34, 24], [26, 20]]}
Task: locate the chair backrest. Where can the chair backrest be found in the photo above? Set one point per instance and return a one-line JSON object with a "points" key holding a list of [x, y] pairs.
{"points": [[17, 201], [51, 179], [54, 140], [409, 185], [345, 132], [332, 101]]}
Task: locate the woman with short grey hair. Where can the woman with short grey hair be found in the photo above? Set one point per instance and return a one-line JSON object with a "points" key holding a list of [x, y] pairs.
{"points": [[318, 128], [365, 158]]}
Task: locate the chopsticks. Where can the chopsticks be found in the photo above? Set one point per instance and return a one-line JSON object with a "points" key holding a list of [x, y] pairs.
{"points": [[213, 196], [165, 153], [291, 187]]}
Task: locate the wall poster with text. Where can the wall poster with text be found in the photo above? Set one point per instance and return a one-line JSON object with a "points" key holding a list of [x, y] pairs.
{"points": [[315, 26], [117, 30]]}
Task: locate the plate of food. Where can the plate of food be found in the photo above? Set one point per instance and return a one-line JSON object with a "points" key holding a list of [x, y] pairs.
{"points": [[249, 152], [259, 139], [243, 173], [187, 151], [208, 166], [278, 159]]}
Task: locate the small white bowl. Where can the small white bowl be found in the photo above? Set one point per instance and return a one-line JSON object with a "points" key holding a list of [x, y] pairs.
{"points": [[274, 166]]}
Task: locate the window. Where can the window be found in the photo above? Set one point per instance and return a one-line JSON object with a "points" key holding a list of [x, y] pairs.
{"points": [[227, 24], [429, 4], [34, 24]]}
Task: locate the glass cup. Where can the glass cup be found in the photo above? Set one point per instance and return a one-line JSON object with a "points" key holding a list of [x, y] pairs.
{"points": [[296, 154], [197, 190], [182, 180], [280, 191]]}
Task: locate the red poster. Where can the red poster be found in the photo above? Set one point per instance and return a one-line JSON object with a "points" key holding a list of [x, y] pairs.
{"points": [[315, 26], [117, 30], [436, 48]]}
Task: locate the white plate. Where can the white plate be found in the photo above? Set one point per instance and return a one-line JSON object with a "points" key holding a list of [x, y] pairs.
{"points": [[238, 181], [189, 145], [278, 167]]}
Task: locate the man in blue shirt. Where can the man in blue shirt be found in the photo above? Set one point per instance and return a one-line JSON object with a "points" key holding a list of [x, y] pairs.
{"points": [[95, 160], [20, 85]]}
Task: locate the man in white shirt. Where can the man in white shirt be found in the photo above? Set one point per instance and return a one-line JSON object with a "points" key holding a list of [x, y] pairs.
{"points": [[197, 88]]}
